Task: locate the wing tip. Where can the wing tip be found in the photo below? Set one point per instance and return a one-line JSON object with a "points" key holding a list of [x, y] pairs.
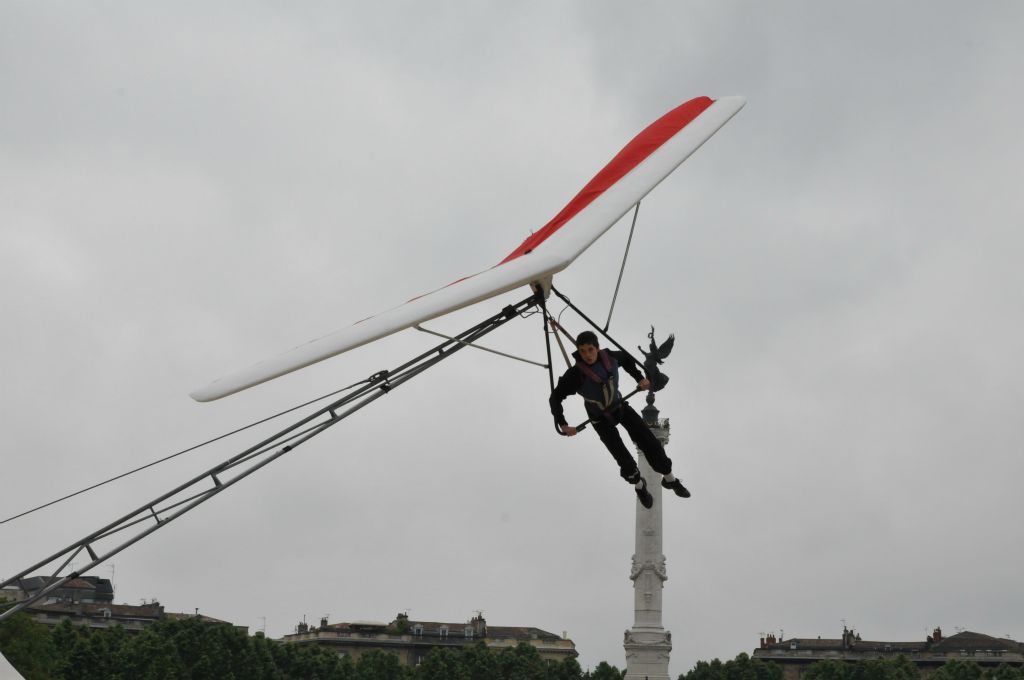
{"points": [[204, 395], [734, 101]]}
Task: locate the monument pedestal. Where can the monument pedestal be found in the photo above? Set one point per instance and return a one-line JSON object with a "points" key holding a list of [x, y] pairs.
{"points": [[647, 644]]}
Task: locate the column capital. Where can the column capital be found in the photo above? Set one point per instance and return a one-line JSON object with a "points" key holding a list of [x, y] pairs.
{"points": [[656, 567]]}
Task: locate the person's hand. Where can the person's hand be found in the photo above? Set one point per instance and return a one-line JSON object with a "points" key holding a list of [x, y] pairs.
{"points": [[644, 385], [568, 430]]}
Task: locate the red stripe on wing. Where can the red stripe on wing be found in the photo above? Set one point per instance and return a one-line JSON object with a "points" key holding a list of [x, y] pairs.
{"points": [[634, 153]]}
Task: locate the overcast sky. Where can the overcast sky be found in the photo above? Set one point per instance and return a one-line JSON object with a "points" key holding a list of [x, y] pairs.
{"points": [[186, 189]]}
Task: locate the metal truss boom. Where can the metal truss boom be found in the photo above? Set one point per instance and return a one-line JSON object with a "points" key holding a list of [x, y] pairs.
{"points": [[175, 503]]}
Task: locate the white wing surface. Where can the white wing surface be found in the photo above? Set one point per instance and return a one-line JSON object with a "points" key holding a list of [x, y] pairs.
{"points": [[639, 167]]}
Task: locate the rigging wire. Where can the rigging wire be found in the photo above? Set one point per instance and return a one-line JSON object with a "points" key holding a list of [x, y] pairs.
{"points": [[556, 328], [622, 269], [593, 324], [376, 376]]}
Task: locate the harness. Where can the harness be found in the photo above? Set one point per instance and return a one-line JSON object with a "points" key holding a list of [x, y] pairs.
{"points": [[600, 395]]}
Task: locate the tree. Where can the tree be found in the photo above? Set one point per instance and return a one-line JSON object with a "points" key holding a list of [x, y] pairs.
{"points": [[152, 655], [566, 669], [899, 668], [604, 671], [481, 663], [444, 664], [1004, 672], [380, 666], [955, 669], [521, 662], [740, 668], [829, 669], [28, 647]]}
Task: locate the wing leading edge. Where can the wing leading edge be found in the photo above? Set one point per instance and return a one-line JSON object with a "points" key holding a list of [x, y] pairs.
{"points": [[641, 165]]}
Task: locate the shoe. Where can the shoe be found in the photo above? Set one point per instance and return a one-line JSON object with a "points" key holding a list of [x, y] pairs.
{"points": [[646, 499], [676, 486]]}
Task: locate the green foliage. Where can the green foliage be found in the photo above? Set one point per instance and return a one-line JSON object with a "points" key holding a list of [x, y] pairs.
{"points": [[444, 664], [194, 650], [380, 666], [173, 650], [480, 662], [477, 662], [740, 668], [605, 672], [28, 646], [958, 670], [899, 668], [521, 662], [567, 669], [1004, 672]]}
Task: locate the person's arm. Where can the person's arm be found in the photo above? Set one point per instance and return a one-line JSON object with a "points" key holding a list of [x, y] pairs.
{"points": [[627, 364], [567, 386]]}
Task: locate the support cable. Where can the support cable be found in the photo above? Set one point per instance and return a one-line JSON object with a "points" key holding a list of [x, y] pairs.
{"points": [[591, 322], [480, 347], [559, 327], [556, 328], [257, 456], [622, 268], [547, 345], [558, 339], [184, 451]]}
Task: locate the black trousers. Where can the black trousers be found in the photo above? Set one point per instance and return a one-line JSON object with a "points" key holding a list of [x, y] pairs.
{"points": [[607, 429]]}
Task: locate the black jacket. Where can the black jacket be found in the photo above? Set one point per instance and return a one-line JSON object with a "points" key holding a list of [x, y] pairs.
{"points": [[571, 382]]}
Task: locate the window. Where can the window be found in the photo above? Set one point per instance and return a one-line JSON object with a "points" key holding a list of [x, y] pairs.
{"points": [[469, 631], [444, 631], [417, 629]]}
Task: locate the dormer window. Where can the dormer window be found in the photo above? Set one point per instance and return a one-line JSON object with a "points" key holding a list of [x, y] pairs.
{"points": [[443, 632], [417, 629], [469, 632]]}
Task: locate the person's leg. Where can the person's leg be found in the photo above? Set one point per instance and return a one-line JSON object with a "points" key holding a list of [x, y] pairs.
{"points": [[645, 440], [652, 449], [609, 435]]}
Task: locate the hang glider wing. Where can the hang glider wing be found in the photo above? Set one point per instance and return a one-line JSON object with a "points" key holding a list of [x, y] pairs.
{"points": [[639, 167]]}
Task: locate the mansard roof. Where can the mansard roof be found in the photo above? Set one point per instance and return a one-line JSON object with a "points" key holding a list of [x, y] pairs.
{"points": [[146, 611], [971, 641], [963, 641], [454, 628]]}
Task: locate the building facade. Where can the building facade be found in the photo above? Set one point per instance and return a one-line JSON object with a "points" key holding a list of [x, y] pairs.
{"points": [[81, 589], [412, 640], [89, 601], [795, 655]]}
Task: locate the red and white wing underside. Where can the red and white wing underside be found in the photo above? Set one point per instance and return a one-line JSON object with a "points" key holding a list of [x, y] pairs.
{"points": [[649, 158]]}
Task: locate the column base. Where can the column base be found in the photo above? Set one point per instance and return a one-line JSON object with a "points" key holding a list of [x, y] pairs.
{"points": [[647, 653]]}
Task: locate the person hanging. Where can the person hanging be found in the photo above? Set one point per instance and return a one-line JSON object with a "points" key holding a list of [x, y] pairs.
{"points": [[595, 377]]}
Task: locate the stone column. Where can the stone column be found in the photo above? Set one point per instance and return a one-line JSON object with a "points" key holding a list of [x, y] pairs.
{"points": [[647, 643]]}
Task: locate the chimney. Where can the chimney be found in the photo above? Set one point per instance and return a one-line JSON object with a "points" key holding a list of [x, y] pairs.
{"points": [[480, 625], [762, 642], [937, 635]]}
